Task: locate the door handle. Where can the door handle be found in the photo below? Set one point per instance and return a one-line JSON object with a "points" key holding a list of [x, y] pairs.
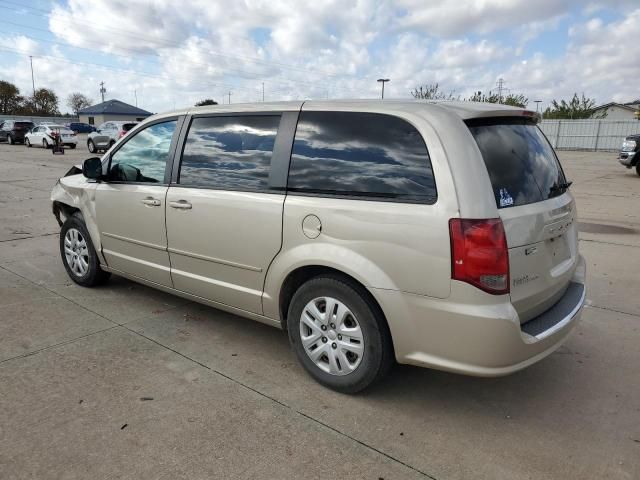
{"points": [[181, 204], [153, 202]]}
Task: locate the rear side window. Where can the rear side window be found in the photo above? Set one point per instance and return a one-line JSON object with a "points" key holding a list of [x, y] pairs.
{"points": [[229, 152], [521, 163], [128, 126], [355, 154]]}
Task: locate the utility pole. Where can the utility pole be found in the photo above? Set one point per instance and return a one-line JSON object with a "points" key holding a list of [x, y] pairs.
{"points": [[229, 97], [33, 82], [383, 81], [262, 93], [500, 83], [102, 90]]}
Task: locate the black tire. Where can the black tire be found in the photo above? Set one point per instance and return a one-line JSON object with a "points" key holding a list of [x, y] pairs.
{"points": [[72, 146], [377, 357], [45, 144], [638, 167], [11, 140], [27, 143], [111, 144], [91, 146], [94, 275]]}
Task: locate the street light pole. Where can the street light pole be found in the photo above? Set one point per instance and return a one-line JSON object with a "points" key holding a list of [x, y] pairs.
{"points": [[383, 81], [33, 82]]}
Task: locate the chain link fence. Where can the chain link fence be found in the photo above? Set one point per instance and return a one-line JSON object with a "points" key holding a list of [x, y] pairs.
{"points": [[602, 135]]}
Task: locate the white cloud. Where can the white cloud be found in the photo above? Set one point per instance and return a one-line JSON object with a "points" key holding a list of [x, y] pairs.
{"points": [[335, 48]]}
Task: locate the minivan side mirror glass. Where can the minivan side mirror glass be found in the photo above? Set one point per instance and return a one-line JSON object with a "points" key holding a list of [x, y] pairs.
{"points": [[92, 168]]}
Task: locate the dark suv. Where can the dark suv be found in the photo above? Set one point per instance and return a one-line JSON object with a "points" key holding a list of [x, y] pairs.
{"points": [[14, 131], [629, 153]]}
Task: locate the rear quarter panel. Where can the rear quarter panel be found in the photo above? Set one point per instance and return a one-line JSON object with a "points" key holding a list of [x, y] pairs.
{"points": [[384, 245]]}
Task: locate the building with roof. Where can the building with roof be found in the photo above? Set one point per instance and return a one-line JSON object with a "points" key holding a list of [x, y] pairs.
{"points": [[619, 111], [112, 110]]}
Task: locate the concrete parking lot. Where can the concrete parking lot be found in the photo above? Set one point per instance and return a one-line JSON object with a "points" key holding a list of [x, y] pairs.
{"points": [[123, 381]]}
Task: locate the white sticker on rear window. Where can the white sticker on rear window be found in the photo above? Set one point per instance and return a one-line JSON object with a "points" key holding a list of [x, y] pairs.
{"points": [[506, 200]]}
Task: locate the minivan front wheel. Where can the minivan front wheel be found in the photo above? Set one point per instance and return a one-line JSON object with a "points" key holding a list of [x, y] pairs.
{"points": [[78, 255], [338, 335]]}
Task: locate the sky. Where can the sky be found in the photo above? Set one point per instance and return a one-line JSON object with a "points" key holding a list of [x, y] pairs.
{"points": [[166, 54]]}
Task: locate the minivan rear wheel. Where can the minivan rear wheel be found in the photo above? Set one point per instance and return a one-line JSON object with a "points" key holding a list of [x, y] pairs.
{"points": [[338, 334]]}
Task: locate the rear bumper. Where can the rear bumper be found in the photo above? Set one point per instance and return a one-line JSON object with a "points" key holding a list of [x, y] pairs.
{"points": [[628, 159], [481, 336]]}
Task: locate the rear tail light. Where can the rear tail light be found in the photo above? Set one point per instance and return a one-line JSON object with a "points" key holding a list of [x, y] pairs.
{"points": [[122, 133], [479, 254]]}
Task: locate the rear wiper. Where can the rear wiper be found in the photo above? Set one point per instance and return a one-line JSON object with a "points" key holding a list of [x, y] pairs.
{"points": [[560, 186]]}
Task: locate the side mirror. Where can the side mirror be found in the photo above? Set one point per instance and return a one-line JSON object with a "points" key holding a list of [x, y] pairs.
{"points": [[92, 168]]}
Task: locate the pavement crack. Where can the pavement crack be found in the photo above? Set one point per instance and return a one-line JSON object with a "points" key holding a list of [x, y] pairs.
{"points": [[59, 295], [27, 238], [609, 243], [288, 407], [613, 310], [59, 344]]}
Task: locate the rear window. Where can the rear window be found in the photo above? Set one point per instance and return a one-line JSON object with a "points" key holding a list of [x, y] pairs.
{"points": [[24, 124], [352, 154], [522, 166], [128, 126]]}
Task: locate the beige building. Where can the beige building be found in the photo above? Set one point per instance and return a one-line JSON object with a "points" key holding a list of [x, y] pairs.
{"points": [[619, 111], [111, 110]]}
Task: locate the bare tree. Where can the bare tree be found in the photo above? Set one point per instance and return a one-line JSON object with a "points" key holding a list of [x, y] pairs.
{"points": [[78, 101], [431, 92]]}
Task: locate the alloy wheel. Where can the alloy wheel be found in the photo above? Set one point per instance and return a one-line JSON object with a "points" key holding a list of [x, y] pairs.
{"points": [[76, 252]]}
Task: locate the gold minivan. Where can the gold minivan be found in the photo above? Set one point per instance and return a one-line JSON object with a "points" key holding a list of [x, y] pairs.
{"points": [[441, 235]]}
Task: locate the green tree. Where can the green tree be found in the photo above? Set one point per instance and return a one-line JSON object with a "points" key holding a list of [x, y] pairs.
{"points": [[577, 107], [206, 101], [78, 101], [431, 92], [10, 98], [44, 102]]}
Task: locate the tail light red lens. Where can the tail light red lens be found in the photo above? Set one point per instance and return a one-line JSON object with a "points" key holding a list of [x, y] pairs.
{"points": [[479, 254], [122, 134]]}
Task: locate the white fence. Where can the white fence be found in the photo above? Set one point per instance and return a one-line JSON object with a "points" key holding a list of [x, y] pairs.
{"points": [[37, 120], [606, 135]]}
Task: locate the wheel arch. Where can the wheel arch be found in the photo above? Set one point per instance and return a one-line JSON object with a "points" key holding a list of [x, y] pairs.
{"points": [[300, 275]]}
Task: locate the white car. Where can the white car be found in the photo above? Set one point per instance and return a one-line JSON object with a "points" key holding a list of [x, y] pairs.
{"points": [[44, 135]]}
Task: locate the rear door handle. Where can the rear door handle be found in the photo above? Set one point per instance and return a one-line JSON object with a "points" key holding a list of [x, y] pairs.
{"points": [[181, 204], [153, 202]]}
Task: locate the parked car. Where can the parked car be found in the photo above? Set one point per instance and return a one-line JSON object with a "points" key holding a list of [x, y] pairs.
{"points": [[45, 136], [80, 127], [107, 135], [370, 231], [629, 155], [13, 131]]}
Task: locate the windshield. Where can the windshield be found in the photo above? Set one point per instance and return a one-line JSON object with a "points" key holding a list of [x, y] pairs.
{"points": [[522, 166]]}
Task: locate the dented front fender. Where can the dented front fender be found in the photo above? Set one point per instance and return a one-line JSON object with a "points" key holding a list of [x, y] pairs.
{"points": [[74, 193]]}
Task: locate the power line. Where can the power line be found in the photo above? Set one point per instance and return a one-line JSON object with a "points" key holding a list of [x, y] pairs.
{"points": [[170, 43], [242, 74], [109, 67]]}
